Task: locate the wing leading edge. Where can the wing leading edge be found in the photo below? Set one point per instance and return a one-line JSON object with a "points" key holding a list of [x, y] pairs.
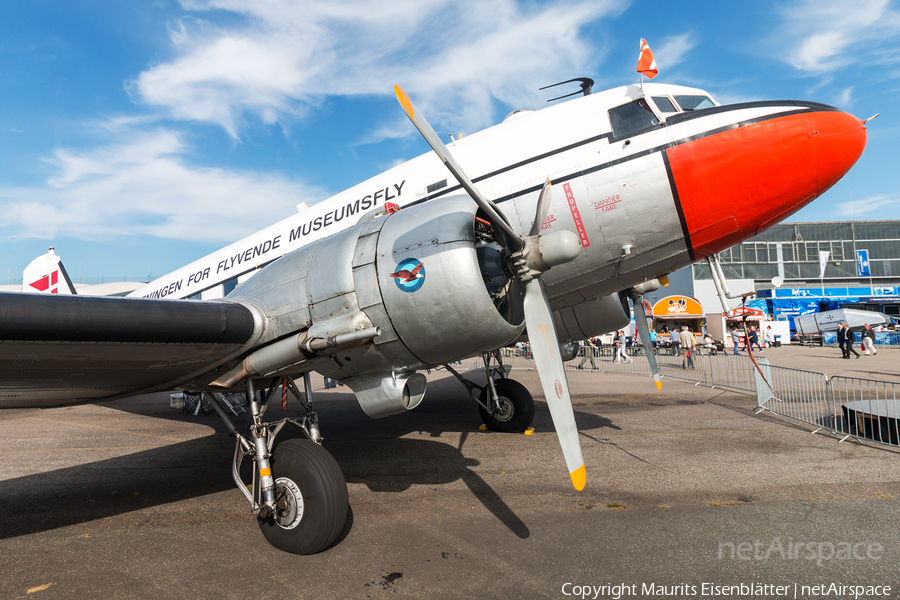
{"points": [[58, 350]]}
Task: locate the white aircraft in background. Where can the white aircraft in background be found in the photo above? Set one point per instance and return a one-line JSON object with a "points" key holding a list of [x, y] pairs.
{"points": [[47, 275], [645, 180]]}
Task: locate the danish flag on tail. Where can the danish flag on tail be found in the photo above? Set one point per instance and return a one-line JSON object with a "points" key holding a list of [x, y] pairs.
{"points": [[46, 274], [646, 63]]}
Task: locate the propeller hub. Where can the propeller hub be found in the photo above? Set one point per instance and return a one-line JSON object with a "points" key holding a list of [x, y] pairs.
{"points": [[542, 252]]}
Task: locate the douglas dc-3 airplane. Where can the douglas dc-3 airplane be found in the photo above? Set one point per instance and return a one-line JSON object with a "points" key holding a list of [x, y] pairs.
{"points": [[421, 266]]}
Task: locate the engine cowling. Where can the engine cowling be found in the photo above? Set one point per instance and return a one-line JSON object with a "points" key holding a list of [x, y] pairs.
{"points": [[415, 275]]}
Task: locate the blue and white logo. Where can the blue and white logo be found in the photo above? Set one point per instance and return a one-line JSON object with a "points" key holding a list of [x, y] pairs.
{"points": [[410, 274]]}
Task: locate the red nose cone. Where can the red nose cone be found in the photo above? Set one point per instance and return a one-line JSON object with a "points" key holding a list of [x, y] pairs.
{"points": [[734, 184]]}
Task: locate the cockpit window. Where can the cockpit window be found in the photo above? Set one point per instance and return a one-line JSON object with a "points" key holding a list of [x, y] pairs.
{"points": [[694, 102], [664, 104], [631, 117]]}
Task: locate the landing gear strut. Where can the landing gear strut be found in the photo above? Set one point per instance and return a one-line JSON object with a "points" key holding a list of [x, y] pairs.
{"points": [[298, 492], [504, 405]]}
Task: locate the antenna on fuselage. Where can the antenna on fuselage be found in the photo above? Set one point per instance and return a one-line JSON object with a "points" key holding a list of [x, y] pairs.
{"points": [[586, 84]]}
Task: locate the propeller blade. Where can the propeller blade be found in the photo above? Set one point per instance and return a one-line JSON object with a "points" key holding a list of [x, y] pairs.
{"points": [[547, 359], [640, 319], [514, 243], [543, 206]]}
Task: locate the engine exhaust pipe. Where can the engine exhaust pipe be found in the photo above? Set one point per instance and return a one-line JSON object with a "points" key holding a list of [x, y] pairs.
{"points": [[287, 352]]}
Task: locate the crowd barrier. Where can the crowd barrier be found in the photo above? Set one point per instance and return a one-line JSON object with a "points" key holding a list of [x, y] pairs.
{"points": [[883, 339], [864, 409], [716, 369]]}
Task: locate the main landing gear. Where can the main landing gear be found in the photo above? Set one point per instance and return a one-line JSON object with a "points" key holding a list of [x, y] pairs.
{"points": [[298, 492], [504, 405]]}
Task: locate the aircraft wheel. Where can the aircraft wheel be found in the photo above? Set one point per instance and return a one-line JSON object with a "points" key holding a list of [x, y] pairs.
{"points": [[516, 407], [311, 496]]}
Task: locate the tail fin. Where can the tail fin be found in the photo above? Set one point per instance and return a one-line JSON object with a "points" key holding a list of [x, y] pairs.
{"points": [[46, 274]]}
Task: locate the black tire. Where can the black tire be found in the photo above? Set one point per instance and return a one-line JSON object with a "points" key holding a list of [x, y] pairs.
{"points": [[516, 404], [305, 468]]}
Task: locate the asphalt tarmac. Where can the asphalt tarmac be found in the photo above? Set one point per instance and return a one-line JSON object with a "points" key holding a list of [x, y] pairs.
{"points": [[133, 499]]}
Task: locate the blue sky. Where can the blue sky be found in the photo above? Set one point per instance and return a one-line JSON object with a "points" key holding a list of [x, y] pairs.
{"points": [[138, 136]]}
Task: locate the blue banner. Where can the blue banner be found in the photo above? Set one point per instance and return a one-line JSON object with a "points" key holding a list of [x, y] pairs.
{"points": [[862, 263]]}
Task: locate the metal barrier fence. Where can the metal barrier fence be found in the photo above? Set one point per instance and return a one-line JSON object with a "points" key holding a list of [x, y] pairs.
{"points": [[860, 408], [866, 409], [719, 369], [794, 393], [883, 339]]}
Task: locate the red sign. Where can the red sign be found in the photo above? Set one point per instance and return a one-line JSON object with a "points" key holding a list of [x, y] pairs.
{"points": [[579, 224]]}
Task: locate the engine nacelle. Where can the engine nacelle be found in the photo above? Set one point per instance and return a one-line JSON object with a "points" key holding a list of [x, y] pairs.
{"points": [[583, 321], [415, 275]]}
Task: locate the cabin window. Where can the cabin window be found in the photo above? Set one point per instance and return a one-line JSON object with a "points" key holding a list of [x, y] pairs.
{"points": [[664, 104], [436, 186], [229, 286], [694, 102], [632, 117]]}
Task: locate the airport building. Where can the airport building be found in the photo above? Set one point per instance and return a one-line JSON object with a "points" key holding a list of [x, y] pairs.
{"points": [[801, 268]]}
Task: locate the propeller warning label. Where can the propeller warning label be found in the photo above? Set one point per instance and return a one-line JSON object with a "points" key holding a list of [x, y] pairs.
{"points": [[410, 274], [576, 215]]}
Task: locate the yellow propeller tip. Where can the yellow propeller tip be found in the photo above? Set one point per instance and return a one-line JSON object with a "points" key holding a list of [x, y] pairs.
{"points": [[659, 385], [579, 478], [405, 102]]}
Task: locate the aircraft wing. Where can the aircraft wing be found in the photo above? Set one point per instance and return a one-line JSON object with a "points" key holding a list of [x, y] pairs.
{"points": [[57, 350]]}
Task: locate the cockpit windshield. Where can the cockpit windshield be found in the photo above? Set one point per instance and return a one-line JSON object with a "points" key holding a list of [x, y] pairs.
{"points": [[694, 102], [664, 104]]}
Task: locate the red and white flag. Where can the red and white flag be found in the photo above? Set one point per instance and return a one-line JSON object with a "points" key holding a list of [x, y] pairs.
{"points": [[646, 63]]}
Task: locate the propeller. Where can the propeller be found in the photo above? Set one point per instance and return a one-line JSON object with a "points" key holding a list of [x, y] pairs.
{"points": [[528, 257]]}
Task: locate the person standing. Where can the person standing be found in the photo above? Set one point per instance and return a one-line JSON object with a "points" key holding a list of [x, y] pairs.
{"points": [[753, 338], [688, 344], [590, 348], [619, 342], [736, 340], [868, 339], [842, 341], [770, 337], [848, 342], [674, 340]]}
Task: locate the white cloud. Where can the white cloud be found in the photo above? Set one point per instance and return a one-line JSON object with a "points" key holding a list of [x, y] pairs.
{"points": [[867, 206], [236, 61], [284, 57], [845, 99], [145, 186], [822, 36], [673, 49]]}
